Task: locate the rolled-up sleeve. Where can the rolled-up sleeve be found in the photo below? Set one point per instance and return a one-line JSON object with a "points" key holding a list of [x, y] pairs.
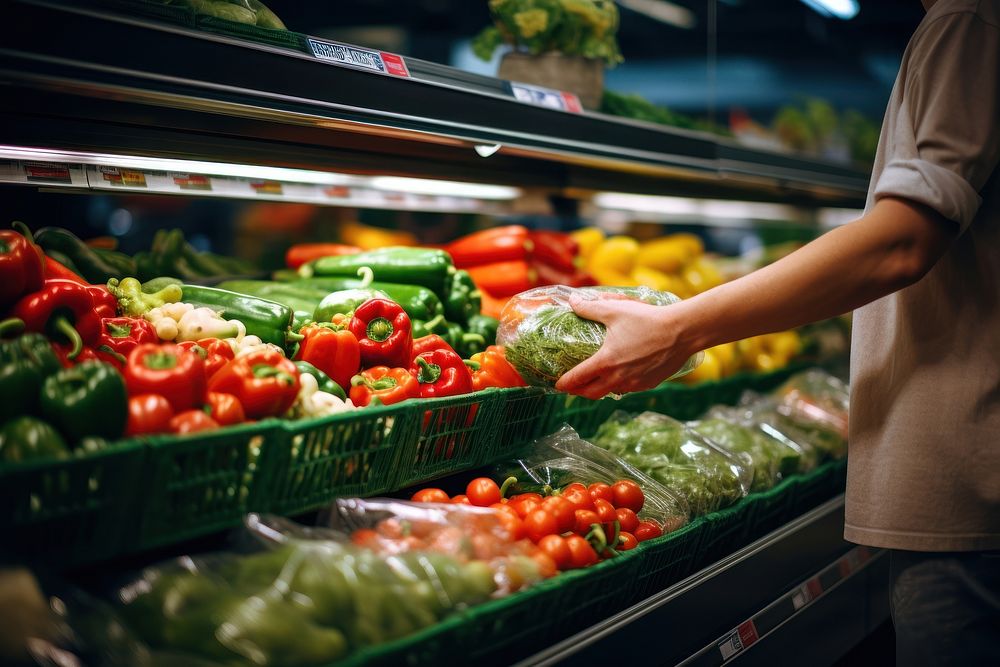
{"points": [[946, 142]]}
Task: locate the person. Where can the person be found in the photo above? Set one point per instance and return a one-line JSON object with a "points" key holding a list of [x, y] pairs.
{"points": [[921, 270]]}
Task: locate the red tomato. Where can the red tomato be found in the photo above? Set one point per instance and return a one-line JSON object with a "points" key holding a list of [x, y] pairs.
{"points": [[537, 497], [605, 511], [601, 490], [626, 541], [192, 421], [540, 523], [430, 496], [483, 492], [148, 413], [557, 549], [524, 507], [628, 494], [226, 408], [627, 519], [511, 523], [546, 566], [581, 553], [460, 499], [579, 496], [584, 520], [563, 510], [365, 537], [647, 530]]}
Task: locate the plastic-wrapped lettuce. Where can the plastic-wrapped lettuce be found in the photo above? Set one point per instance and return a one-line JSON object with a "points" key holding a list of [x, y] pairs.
{"points": [[818, 444], [544, 338], [814, 399], [735, 438], [705, 475], [787, 457]]}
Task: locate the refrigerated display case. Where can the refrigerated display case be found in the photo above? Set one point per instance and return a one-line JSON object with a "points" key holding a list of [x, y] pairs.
{"points": [[106, 97]]}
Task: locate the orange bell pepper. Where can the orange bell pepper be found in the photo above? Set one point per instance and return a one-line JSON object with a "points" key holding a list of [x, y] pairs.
{"points": [[490, 368]]}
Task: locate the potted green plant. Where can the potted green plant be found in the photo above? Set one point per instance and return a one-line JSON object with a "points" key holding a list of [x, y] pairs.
{"points": [[560, 44]]}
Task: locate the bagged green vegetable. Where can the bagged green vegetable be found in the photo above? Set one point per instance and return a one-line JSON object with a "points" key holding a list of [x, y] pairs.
{"points": [[815, 399], [705, 475], [768, 456], [544, 338], [788, 456], [818, 444]]}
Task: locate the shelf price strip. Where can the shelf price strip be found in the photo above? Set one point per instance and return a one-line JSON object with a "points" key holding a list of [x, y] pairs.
{"points": [[545, 97], [358, 58], [752, 630]]}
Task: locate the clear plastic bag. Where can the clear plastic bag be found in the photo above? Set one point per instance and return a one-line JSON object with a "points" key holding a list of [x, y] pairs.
{"points": [[816, 399], [544, 338], [733, 437], [564, 457], [704, 474], [816, 443]]}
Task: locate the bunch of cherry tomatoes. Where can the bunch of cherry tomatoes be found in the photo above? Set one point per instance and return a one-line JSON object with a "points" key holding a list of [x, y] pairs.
{"points": [[576, 526]]}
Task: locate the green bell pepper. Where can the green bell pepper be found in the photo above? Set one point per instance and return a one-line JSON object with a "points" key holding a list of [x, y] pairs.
{"points": [[462, 299], [269, 320], [485, 326], [25, 362], [344, 302], [135, 301], [87, 399], [419, 302], [30, 439], [322, 379], [437, 324], [93, 267], [409, 266]]}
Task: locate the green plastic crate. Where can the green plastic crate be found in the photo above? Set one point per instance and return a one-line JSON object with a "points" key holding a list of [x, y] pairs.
{"points": [[283, 38], [820, 485], [523, 417], [725, 531], [772, 508], [666, 560], [198, 484], [448, 435], [354, 453], [71, 512]]}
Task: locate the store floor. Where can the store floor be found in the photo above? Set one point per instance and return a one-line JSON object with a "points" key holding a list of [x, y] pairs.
{"points": [[877, 650]]}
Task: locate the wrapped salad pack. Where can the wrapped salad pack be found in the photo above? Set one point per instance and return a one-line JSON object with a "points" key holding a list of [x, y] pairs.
{"points": [[544, 338], [707, 476]]}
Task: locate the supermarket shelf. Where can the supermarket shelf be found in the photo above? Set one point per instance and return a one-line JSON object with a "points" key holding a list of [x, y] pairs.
{"points": [[795, 577], [225, 99]]}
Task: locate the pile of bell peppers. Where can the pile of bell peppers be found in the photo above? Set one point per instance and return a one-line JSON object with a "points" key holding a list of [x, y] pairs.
{"points": [[504, 261]]}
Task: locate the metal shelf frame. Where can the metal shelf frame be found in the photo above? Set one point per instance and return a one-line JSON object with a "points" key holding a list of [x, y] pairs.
{"points": [[89, 79]]}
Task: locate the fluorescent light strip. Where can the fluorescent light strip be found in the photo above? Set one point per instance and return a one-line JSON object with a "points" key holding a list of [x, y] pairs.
{"points": [[424, 186], [184, 166], [662, 11], [719, 209], [842, 9]]}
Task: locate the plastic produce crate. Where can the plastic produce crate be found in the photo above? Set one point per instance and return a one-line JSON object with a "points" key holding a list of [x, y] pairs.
{"points": [[820, 485], [725, 531], [203, 483], [667, 560], [354, 453], [772, 508], [74, 511], [524, 416], [282, 38], [448, 435]]}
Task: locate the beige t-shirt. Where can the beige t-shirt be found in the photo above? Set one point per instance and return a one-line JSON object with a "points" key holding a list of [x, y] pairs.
{"points": [[924, 464]]}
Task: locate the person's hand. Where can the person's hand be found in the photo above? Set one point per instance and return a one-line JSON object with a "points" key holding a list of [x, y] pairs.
{"points": [[640, 350]]}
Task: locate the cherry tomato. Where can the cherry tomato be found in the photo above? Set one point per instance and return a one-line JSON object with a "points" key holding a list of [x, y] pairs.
{"points": [[192, 421], [627, 519], [430, 496], [647, 530], [584, 520], [540, 523], [600, 490], [483, 492], [461, 499], [528, 496], [579, 496], [563, 510], [628, 494], [511, 523], [546, 566], [226, 408], [365, 537], [555, 546], [626, 541], [574, 486], [581, 553], [524, 507], [605, 511], [148, 413]]}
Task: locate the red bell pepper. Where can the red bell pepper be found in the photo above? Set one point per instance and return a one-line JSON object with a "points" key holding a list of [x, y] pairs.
{"points": [[504, 278], [63, 310], [216, 353], [54, 269], [498, 244], [441, 373], [429, 344], [263, 381], [549, 275], [88, 354], [123, 334], [303, 253], [490, 368], [382, 328], [382, 385], [331, 348], [555, 249], [168, 370], [192, 421], [22, 265], [105, 304], [224, 408]]}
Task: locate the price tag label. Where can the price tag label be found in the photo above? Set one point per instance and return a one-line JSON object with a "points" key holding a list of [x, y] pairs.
{"points": [[546, 97], [743, 637], [358, 58]]}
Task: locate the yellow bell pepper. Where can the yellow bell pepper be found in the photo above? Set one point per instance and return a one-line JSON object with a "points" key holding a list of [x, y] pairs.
{"points": [[668, 254], [785, 344], [709, 369], [702, 275], [588, 239], [370, 238], [727, 356], [652, 278], [747, 351], [617, 254]]}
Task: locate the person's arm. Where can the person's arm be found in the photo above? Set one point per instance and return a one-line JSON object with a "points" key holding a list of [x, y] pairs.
{"points": [[891, 247]]}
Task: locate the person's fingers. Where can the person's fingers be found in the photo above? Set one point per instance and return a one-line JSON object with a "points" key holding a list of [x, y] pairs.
{"points": [[585, 371], [598, 310]]}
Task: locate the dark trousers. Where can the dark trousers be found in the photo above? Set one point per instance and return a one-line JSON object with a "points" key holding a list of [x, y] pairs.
{"points": [[946, 608]]}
